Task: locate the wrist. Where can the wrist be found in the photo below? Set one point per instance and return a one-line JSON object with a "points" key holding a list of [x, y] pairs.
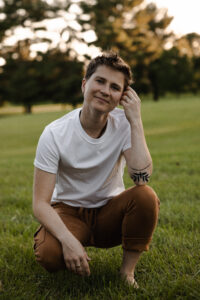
{"points": [[64, 238], [136, 122], [67, 238]]}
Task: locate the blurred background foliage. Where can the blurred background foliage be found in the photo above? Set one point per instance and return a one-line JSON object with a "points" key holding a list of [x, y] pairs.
{"points": [[161, 62]]}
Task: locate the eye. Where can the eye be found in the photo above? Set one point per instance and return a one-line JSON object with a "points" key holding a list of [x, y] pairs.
{"points": [[99, 80], [115, 88]]}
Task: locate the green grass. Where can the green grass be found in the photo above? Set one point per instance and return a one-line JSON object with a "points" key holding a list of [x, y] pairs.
{"points": [[170, 270]]}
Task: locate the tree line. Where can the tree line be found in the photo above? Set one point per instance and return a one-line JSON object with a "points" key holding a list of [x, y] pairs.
{"points": [[161, 62]]}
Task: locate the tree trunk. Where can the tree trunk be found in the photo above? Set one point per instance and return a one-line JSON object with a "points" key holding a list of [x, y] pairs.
{"points": [[28, 108], [155, 94]]}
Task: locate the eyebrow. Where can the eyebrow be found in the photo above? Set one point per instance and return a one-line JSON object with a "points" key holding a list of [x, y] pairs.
{"points": [[113, 83]]}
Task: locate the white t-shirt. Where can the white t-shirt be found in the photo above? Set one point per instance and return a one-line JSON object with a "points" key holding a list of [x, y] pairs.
{"points": [[89, 171]]}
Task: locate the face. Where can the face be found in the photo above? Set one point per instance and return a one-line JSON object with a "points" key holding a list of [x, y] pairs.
{"points": [[104, 89]]}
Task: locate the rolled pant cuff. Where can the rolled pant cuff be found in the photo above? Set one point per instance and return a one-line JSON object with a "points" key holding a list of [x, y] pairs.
{"points": [[136, 244]]}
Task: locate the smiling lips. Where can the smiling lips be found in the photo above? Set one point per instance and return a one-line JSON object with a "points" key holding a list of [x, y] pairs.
{"points": [[101, 99]]}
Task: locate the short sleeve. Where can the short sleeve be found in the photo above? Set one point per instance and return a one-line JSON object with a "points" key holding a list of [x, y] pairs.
{"points": [[47, 155]]}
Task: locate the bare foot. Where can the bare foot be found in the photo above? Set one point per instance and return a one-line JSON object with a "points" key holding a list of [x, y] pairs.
{"points": [[129, 278]]}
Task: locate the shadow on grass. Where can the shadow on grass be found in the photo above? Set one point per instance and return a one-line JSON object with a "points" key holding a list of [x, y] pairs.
{"points": [[25, 279], [158, 273]]}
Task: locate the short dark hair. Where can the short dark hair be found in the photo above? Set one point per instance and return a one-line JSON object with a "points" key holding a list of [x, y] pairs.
{"points": [[112, 60]]}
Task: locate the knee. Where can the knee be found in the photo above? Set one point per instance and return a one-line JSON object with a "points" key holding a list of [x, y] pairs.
{"points": [[146, 199], [142, 213], [49, 254]]}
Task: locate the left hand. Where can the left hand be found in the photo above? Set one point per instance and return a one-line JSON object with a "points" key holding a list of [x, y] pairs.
{"points": [[131, 104]]}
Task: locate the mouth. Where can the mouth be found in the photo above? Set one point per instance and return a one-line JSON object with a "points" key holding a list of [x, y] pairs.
{"points": [[101, 99]]}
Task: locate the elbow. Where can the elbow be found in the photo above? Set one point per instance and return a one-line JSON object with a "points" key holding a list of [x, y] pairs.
{"points": [[39, 208], [140, 183], [35, 209], [140, 178]]}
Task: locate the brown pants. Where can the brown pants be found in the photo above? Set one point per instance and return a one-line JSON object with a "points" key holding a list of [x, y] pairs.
{"points": [[128, 219]]}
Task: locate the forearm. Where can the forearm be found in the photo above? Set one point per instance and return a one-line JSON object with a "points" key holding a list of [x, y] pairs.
{"points": [[138, 158], [140, 155], [73, 252], [139, 161], [48, 217]]}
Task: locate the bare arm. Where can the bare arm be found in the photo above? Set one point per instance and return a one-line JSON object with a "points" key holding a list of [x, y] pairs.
{"points": [[73, 251], [138, 158]]}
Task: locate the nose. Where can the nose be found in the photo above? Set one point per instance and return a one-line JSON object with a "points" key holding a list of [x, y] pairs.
{"points": [[105, 90]]}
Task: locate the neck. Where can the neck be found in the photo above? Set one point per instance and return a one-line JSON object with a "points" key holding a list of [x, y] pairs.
{"points": [[93, 123]]}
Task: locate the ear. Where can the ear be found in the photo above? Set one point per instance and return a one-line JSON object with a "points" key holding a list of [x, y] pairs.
{"points": [[83, 85]]}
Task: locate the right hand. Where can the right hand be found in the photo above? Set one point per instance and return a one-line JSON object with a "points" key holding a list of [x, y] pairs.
{"points": [[75, 256]]}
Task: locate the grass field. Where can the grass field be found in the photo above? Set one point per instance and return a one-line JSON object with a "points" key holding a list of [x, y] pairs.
{"points": [[170, 270]]}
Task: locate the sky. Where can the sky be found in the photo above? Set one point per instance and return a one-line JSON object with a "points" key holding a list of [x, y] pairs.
{"points": [[186, 14]]}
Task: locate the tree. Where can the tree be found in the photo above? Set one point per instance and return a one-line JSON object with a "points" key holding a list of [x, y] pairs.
{"points": [[56, 78], [137, 32], [196, 83], [189, 45], [24, 13], [51, 76], [19, 65], [62, 76], [171, 73], [22, 82]]}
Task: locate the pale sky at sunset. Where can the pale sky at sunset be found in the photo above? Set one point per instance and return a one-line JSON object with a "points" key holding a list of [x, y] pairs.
{"points": [[186, 14]]}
